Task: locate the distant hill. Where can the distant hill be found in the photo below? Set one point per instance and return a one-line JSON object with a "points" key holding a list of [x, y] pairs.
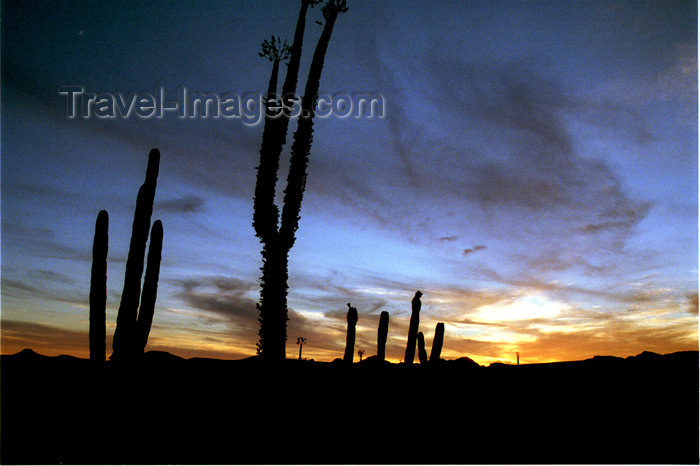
{"points": [[464, 362]]}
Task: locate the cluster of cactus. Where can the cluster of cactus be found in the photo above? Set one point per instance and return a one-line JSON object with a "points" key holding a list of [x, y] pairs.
{"points": [[413, 328], [414, 336], [437, 345], [135, 314], [417, 338], [276, 234]]}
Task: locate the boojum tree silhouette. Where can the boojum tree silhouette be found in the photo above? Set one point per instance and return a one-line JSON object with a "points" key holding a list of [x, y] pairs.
{"points": [[301, 341], [276, 234]]}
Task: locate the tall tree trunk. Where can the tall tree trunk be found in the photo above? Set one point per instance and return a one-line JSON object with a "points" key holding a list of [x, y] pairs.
{"points": [[273, 303]]}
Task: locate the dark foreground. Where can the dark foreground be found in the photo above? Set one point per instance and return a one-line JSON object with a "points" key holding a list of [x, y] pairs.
{"points": [[168, 410]]}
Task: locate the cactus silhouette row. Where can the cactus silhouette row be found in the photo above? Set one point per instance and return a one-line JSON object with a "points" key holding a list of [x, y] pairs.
{"points": [[135, 314], [414, 336]]}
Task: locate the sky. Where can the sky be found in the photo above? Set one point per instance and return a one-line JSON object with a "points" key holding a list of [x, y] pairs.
{"points": [[534, 174]]}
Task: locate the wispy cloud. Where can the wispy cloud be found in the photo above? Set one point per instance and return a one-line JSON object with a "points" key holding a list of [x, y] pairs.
{"points": [[474, 249], [184, 205], [45, 339]]}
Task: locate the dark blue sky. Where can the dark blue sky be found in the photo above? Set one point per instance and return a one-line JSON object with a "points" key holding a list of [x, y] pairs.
{"points": [[535, 175]]}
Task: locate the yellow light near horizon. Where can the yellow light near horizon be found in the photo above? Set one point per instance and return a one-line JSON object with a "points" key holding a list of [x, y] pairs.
{"points": [[523, 308]]}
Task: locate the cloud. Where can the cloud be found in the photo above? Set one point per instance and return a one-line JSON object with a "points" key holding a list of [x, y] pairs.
{"points": [[43, 243], [693, 302], [223, 296], [45, 285], [183, 205], [45, 339], [504, 162], [473, 249], [228, 300]]}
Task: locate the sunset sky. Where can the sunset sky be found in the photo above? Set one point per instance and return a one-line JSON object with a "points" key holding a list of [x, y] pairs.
{"points": [[535, 175]]}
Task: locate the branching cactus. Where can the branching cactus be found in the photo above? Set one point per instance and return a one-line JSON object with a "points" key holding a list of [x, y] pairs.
{"points": [[413, 328], [98, 288], [129, 335], [350, 339], [437, 343], [381, 335]]}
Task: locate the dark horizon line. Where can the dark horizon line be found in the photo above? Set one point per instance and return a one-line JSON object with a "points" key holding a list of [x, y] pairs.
{"points": [[369, 360]]}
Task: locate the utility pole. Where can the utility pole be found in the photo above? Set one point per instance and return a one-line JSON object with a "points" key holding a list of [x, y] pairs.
{"points": [[517, 358]]}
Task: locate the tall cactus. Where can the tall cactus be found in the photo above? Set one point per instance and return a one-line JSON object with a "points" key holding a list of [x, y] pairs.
{"points": [[98, 288], [150, 287], [350, 338], [126, 344], [382, 332], [413, 328], [437, 343], [278, 240], [422, 356]]}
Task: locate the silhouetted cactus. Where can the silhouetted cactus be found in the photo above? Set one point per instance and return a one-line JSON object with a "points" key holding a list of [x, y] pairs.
{"points": [[150, 286], [127, 338], [277, 242], [437, 343], [382, 332], [422, 355], [98, 288], [350, 338], [413, 328]]}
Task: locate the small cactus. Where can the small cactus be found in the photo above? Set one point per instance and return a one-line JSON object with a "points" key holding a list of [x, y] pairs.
{"points": [[437, 343], [382, 334], [413, 328], [350, 340]]}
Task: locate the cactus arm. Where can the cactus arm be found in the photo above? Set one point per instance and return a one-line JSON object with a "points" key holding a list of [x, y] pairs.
{"points": [[150, 287]]}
